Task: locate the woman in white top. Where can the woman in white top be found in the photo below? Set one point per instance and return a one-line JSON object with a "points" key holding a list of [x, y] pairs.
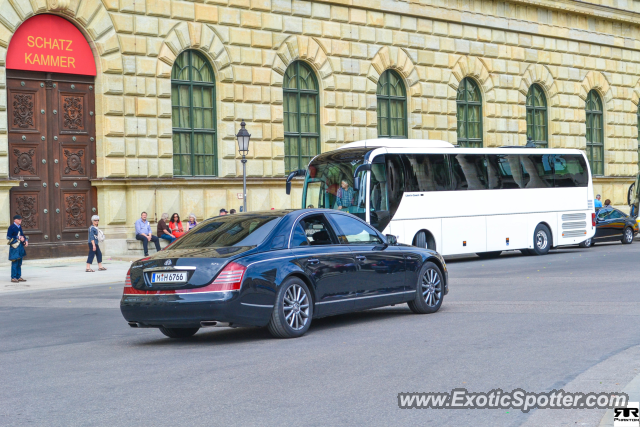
{"points": [[192, 222]]}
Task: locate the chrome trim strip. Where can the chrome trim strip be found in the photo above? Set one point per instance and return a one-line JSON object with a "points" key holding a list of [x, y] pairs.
{"points": [[298, 256], [256, 305], [174, 268], [182, 293], [270, 259], [365, 297]]}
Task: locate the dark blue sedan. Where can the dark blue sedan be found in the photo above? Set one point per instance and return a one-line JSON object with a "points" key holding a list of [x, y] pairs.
{"points": [[278, 269]]}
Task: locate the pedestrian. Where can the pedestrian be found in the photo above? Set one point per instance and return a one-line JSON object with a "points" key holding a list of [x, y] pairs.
{"points": [[223, 212], [607, 203], [232, 211], [143, 233], [176, 226], [17, 244], [95, 238], [344, 196], [163, 229], [192, 221], [310, 207], [598, 203]]}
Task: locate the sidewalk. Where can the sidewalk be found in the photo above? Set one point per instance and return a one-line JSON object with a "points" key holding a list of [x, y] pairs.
{"points": [[60, 273]]}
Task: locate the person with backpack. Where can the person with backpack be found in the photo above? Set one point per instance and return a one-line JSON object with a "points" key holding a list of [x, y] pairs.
{"points": [[96, 236]]}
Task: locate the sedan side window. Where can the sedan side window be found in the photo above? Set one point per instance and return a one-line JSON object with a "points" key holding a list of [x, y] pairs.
{"points": [[354, 231], [603, 214], [299, 237], [317, 230], [615, 214]]}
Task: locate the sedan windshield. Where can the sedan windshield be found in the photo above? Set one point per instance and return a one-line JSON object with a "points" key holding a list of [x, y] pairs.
{"points": [[229, 230]]}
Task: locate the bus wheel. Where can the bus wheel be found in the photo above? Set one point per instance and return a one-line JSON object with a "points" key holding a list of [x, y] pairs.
{"points": [[541, 240], [424, 239], [421, 239], [489, 255]]}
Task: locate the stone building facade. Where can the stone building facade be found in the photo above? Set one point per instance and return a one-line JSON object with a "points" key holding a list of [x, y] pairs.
{"points": [[567, 49]]}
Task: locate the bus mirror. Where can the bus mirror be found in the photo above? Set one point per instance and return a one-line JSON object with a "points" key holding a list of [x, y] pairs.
{"points": [[299, 172], [356, 178]]}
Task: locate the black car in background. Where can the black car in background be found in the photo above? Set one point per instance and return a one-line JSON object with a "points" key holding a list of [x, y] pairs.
{"points": [[612, 225], [278, 269]]}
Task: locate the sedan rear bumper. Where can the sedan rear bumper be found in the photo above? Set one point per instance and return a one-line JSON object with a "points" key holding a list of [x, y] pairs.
{"points": [[188, 310]]}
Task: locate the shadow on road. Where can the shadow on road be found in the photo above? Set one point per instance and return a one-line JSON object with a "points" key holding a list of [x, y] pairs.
{"points": [[452, 259], [250, 334]]}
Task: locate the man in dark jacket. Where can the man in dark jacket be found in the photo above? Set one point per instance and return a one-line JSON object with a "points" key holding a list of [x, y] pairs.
{"points": [[15, 235]]}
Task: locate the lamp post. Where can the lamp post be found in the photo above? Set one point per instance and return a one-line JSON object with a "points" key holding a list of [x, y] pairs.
{"points": [[243, 146]]}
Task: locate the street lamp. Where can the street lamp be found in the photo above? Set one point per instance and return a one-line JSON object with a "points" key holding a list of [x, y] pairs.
{"points": [[243, 146]]}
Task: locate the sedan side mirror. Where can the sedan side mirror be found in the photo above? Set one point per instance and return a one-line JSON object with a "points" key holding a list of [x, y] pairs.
{"points": [[391, 239]]}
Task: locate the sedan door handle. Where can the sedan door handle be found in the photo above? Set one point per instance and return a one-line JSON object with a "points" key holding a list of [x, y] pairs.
{"points": [[313, 261], [361, 257]]}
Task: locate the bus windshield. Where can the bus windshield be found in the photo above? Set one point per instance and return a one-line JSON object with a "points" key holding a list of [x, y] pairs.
{"points": [[329, 182]]}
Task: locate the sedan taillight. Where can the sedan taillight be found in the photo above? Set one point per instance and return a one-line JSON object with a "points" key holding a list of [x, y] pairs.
{"points": [[593, 219], [229, 279], [128, 287]]}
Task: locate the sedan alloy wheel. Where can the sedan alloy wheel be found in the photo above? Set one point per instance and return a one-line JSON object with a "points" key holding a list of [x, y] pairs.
{"points": [[293, 309], [431, 287], [429, 292], [296, 307]]}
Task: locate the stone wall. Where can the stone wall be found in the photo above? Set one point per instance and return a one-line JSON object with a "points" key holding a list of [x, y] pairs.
{"points": [[568, 48]]}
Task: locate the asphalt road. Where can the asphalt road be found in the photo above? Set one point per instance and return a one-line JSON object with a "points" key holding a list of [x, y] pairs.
{"points": [[67, 358]]}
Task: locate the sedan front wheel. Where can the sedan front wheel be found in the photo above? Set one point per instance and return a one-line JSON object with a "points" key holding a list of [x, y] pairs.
{"points": [[586, 244], [292, 311], [430, 290]]}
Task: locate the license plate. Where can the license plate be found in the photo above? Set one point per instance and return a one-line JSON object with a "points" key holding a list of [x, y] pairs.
{"points": [[180, 277]]}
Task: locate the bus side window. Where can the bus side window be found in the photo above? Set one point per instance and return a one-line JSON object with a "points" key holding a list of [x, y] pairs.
{"points": [[459, 178], [570, 170], [379, 204], [539, 169], [428, 171], [395, 182], [469, 172], [378, 188], [499, 172]]}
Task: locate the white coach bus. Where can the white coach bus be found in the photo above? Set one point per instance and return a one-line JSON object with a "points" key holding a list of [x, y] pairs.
{"points": [[458, 200]]}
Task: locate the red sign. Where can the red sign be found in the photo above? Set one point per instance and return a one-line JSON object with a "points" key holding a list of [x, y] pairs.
{"points": [[50, 43]]}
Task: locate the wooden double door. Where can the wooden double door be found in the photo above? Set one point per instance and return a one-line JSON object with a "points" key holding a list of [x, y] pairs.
{"points": [[51, 122]]}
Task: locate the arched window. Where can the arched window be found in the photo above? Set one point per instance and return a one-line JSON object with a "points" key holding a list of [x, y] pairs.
{"points": [[537, 116], [469, 114], [194, 116], [392, 106], [301, 118], [595, 133]]}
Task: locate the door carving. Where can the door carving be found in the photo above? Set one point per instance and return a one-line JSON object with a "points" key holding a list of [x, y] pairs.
{"points": [[52, 152]]}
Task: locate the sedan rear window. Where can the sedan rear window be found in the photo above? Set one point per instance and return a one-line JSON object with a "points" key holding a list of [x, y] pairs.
{"points": [[226, 231]]}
